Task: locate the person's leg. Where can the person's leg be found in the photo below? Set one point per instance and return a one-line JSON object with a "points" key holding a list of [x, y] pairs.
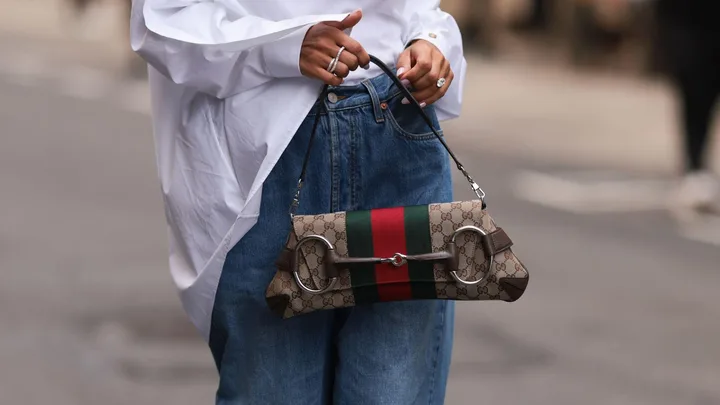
{"points": [[691, 67], [393, 352], [697, 103], [261, 358]]}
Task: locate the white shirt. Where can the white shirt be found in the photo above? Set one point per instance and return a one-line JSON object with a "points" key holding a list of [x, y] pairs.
{"points": [[227, 97]]}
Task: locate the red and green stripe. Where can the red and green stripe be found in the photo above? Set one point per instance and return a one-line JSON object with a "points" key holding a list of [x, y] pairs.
{"points": [[382, 233]]}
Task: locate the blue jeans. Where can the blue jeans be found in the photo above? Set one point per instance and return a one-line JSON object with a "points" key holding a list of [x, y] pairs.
{"points": [[370, 151]]}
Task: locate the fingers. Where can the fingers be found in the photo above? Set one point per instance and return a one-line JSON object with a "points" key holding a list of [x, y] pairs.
{"points": [[403, 65], [335, 78], [322, 43], [327, 77], [423, 65], [346, 63], [315, 64], [349, 60], [428, 66], [354, 47], [350, 21], [342, 70], [449, 76], [342, 39], [426, 90], [429, 80]]}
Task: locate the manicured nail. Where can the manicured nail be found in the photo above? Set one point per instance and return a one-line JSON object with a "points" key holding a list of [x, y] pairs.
{"points": [[405, 82], [405, 101], [400, 71], [423, 104]]}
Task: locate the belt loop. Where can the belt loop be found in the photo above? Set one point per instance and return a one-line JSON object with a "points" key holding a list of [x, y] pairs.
{"points": [[375, 98]]}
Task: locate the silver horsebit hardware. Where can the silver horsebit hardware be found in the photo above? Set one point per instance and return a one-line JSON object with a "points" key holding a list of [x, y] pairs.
{"points": [[397, 260]]}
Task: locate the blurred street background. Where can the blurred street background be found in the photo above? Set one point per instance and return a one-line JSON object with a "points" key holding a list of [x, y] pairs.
{"points": [[567, 124]]}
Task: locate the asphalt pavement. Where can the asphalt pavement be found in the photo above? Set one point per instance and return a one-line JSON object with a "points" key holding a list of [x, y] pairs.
{"points": [[621, 309]]}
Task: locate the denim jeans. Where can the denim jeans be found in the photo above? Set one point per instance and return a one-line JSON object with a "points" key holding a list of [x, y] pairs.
{"points": [[371, 151]]}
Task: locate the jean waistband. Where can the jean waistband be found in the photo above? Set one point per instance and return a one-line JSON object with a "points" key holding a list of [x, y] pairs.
{"points": [[373, 91]]}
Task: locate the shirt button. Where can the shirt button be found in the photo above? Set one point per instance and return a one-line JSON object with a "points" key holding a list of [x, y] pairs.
{"points": [[332, 97], [432, 35]]}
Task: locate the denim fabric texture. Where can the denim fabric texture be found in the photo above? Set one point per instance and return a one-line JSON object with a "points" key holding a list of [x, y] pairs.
{"points": [[371, 151]]}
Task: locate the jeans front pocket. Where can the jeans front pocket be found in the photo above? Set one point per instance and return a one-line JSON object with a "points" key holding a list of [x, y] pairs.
{"points": [[407, 121]]}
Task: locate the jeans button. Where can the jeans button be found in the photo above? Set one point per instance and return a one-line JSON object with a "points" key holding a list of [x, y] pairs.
{"points": [[332, 97]]}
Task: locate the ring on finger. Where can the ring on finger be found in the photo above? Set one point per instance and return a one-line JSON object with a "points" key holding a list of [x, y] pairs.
{"points": [[441, 82], [333, 63], [336, 60]]}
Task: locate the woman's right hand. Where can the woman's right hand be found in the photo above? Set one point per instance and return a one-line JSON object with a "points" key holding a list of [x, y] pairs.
{"points": [[322, 43]]}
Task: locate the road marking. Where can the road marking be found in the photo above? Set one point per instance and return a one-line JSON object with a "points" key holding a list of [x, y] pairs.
{"points": [[591, 195]]}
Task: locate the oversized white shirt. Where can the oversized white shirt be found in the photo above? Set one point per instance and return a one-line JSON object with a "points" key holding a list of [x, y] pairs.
{"points": [[227, 97]]}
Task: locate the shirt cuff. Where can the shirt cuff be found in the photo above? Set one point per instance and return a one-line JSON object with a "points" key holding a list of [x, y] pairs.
{"points": [[432, 37], [281, 58]]}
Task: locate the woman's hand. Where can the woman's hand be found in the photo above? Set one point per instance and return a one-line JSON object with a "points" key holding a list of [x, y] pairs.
{"points": [[422, 66], [322, 43]]}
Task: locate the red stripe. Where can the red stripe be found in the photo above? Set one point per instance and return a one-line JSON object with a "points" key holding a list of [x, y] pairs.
{"points": [[388, 229]]}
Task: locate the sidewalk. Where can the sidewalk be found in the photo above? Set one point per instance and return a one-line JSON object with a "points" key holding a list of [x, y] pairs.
{"points": [[568, 117], [534, 111]]}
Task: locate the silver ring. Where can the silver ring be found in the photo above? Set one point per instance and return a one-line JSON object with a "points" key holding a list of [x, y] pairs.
{"points": [[333, 63], [441, 82]]}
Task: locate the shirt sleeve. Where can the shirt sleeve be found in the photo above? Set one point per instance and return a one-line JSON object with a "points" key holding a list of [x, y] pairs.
{"points": [[218, 47], [427, 21]]}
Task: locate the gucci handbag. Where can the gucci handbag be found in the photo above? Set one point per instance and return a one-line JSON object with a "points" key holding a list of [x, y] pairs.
{"points": [[448, 251]]}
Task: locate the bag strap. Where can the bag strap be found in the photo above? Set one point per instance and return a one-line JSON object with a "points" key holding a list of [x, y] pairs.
{"points": [[323, 108]]}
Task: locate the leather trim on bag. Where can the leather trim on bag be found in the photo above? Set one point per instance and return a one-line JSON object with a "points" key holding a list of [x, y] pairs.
{"points": [[514, 287]]}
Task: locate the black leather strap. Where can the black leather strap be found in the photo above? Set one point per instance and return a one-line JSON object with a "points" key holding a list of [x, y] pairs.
{"points": [[323, 108]]}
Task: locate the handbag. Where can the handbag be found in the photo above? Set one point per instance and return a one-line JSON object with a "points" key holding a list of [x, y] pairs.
{"points": [[448, 251]]}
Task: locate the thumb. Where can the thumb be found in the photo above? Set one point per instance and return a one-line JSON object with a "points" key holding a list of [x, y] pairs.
{"points": [[351, 20], [404, 63]]}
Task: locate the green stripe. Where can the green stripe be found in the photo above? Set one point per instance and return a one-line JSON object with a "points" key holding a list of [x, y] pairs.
{"points": [[360, 244], [417, 234]]}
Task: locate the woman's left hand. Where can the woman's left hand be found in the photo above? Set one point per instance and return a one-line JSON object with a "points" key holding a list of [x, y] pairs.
{"points": [[422, 66]]}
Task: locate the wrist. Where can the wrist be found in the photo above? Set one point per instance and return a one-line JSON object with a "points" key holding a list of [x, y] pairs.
{"points": [[413, 42], [420, 41]]}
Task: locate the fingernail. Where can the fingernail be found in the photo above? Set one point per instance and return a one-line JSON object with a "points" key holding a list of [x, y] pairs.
{"points": [[405, 82], [423, 104], [401, 71], [366, 67], [405, 101]]}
